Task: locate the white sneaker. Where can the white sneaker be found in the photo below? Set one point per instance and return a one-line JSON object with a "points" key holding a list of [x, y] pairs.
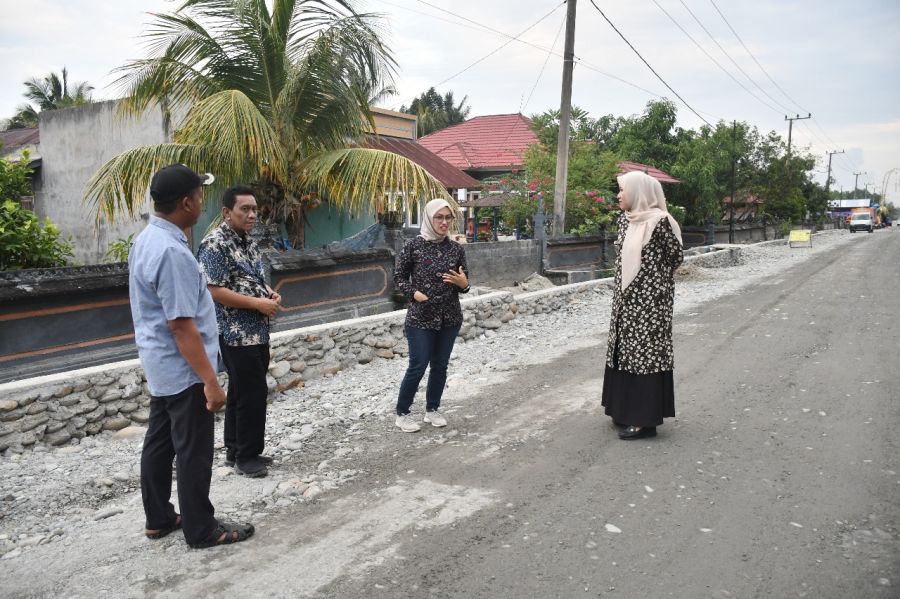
{"points": [[435, 418], [407, 424]]}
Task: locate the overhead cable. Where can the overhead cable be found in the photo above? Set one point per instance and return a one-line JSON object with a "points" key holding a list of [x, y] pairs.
{"points": [[714, 61], [733, 61], [505, 44], [638, 54], [766, 73], [523, 106]]}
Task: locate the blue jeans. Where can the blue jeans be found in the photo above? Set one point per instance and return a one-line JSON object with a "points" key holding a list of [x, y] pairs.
{"points": [[426, 347]]}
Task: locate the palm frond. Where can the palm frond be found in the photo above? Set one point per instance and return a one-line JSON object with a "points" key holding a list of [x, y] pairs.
{"points": [[359, 179], [182, 53], [120, 186], [242, 143], [318, 108]]}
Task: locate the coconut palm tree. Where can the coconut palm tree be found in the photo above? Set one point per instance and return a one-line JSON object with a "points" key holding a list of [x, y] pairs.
{"points": [[436, 112], [49, 93], [278, 98]]}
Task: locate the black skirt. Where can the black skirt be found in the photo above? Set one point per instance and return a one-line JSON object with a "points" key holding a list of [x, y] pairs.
{"points": [[638, 399]]}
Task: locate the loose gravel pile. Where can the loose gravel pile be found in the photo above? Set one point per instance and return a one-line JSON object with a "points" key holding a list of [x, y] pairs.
{"points": [[320, 435]]}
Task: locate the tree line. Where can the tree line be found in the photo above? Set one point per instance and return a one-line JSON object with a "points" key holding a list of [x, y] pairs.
{"points": [[700, 158]]}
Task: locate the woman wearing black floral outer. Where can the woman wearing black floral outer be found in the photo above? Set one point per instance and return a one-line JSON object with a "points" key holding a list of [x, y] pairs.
{"points": [[431, 272], [638, 389]]}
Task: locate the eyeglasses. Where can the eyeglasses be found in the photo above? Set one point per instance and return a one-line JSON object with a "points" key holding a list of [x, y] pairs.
{"points": [[444, 219]]}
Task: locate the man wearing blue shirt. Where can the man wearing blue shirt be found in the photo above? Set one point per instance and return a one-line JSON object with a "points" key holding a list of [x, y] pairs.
{"points": [[176, 335]]}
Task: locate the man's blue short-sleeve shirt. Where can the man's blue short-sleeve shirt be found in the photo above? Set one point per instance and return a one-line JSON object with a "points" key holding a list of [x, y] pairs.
{"points": [[164, 283]]}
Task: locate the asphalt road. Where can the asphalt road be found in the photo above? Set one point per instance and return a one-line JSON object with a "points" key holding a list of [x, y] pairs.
{"points": [[779, 478]]}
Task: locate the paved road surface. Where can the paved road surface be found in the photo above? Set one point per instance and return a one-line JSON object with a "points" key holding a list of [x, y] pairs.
{"points": [[779, 478]]}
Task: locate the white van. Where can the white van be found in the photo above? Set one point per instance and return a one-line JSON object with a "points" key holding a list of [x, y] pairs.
{"points": [[861, 221]]}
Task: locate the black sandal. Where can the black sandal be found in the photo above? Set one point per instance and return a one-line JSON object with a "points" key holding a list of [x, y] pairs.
{"points": [[225, 533], [163, 532]]}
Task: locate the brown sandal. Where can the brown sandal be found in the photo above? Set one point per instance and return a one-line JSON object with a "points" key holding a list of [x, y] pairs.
{"points": [[225, 533]]}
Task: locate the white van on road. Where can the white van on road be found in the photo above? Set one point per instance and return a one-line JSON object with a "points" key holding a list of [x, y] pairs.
{"points": [[861, 221]]}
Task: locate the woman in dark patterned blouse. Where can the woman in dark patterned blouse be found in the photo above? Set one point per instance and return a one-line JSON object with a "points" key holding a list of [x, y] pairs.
{"points": [[431, 272], [638, 389]]}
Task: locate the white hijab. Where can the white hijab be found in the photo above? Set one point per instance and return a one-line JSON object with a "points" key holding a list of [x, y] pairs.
{"points": [[431, 208], [648, 207]]}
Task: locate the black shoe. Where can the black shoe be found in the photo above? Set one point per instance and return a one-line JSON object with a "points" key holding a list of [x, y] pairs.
{"points": [[230, 459], [637, 432], [251, 469]]}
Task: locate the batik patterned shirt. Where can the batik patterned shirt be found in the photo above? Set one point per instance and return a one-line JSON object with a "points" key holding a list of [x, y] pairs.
{"points": [[419, 268], [233, 261]]}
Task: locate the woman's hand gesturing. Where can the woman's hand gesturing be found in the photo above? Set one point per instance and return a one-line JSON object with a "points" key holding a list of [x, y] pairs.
{"points": [[457, 278]]}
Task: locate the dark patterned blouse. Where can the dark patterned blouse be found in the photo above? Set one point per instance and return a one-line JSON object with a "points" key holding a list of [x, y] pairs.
{"points": [[641, 321], [419, 268], [234, 262]]}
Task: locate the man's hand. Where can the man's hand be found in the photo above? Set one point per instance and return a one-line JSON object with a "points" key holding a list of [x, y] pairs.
{"points": [[456, 278], [274, 295], [266, 306], [215, 396], [420, 297]]}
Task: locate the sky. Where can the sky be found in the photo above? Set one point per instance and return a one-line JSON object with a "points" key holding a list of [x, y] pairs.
{"points": [[835, 59]]}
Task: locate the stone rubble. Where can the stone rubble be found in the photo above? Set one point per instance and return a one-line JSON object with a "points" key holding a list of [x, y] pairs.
{"points": [[335, 398]]}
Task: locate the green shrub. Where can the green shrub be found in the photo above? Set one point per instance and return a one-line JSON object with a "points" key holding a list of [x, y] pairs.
{"points": [[119, 249], [25, 242]]}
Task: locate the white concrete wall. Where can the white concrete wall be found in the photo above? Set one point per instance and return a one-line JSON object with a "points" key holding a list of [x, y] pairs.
{"points": [[75, 143]]}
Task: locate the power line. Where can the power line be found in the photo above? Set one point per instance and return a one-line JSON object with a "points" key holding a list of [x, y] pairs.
{"points": [[486, 27], [533, 88], [505, 44], [433, 16], [633, 49], [578, 59], [544, 66], [756, 61], [710, 57], [729, 57], [775, 83], [832, 142]]}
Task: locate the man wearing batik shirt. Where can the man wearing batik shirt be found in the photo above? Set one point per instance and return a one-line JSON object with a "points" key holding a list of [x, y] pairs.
{"points": [[244, 304]]}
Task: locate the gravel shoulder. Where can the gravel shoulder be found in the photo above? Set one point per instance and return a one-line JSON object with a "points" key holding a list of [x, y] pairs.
{"points": [[71, 517]]}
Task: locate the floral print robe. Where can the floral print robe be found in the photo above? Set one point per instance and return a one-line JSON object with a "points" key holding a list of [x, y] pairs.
{"points": [[641, 319]]}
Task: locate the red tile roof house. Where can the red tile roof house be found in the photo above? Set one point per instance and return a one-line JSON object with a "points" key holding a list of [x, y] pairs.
{"points": [[496, 144], [485, 145]]}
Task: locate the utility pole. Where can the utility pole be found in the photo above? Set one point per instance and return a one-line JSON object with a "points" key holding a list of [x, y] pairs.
{"points": [[565, 110], [856, 180], [828, 178], [733, 167], [790, 121]]}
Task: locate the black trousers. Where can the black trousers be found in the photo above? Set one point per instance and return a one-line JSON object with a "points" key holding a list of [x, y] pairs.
{"points": [[180, 427], [245, 410]]}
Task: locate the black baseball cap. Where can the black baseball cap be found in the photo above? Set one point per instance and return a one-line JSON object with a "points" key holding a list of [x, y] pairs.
{"points": [[173, 182]]}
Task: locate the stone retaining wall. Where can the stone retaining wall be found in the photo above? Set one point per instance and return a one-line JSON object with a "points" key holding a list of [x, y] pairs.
{"points": [[57, 408]]}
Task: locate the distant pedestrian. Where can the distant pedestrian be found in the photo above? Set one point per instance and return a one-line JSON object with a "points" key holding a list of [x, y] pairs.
{"points": [[244, 304], [638, 388], [432, 272], [175, 333]]}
